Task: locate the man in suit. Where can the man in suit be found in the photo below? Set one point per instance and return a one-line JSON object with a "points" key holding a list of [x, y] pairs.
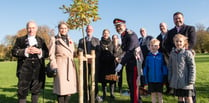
{"points": [[30, 51], [161, 37], [129, 44], [187, 30], [144, 45], [180, 27], [144, 42], [92, 43]]}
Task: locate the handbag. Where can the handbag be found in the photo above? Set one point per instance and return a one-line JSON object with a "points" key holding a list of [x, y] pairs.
{"points": [[50, 72]]}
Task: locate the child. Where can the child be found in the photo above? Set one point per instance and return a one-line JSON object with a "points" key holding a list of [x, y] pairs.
{"points": [[155, 71], [182, 70]]}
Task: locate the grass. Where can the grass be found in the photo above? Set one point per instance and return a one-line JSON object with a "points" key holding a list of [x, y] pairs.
{"points": [[8, 85]]}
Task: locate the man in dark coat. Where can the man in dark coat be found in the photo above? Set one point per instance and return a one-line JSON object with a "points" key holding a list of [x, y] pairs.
{"points": [[30, 51], [180, 27], [144, 45], [187, 30], [92, 43], [162, 37], [129, 43]]}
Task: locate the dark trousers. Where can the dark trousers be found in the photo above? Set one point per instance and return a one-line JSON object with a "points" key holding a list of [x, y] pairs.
{"points": [[120, 81], [131, 72], [29, 79], [111, 87], [87, 80], [63, 98]]}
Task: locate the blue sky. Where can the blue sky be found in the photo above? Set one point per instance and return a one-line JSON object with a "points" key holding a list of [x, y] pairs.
{"points": [[137, 13]]}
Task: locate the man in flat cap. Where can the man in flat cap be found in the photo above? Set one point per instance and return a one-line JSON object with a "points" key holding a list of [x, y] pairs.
{"points": [[129, 44]]}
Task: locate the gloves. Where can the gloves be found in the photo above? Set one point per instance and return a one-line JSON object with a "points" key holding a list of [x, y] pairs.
{"points": [[118, 68]]}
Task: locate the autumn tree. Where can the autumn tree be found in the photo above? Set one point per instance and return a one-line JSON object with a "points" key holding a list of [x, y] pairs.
{"points": [[202, 44], [2, 47], [45, 32], [81, 13]]}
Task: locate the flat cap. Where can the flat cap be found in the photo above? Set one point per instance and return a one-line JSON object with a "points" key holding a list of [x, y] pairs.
{"points": [[117, 21]]}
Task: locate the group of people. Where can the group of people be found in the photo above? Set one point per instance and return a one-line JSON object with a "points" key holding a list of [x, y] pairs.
{"points": [[168, 59]]}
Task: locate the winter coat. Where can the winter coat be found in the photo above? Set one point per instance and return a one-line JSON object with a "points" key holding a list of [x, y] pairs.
{"points": [[181, 69], [155, 68], [107, 65], [61, 57]]}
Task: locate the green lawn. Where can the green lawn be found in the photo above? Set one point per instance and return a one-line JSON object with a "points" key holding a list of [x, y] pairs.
{"points": [[8, 86]]}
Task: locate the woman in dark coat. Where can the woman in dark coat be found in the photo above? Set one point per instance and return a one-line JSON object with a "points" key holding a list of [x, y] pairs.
{"points": [[107, 66]]}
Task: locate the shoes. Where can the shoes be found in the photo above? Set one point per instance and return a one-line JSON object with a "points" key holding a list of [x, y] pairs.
{"points": [[99, 99]]}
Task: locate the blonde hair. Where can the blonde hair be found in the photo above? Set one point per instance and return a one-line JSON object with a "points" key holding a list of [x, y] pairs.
{"points": [[153, 41], [178, 36], [62, 23]]}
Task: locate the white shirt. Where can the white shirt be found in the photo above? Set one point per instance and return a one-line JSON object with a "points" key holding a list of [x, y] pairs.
{"points": [[32, 40]]}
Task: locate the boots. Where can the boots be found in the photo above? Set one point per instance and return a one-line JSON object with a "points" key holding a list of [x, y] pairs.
{"points": [[21, 100], [34, 98], [112, 89]]}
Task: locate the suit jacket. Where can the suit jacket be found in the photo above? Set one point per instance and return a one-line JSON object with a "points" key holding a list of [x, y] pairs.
{"points": [[187, 30], [94, 45], [162, 42], [162, 48], [19, 49], [144, 44]]}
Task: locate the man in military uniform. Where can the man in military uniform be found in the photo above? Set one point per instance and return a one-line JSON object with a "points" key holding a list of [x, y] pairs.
{"points": [[129, 43], [30, 51]]}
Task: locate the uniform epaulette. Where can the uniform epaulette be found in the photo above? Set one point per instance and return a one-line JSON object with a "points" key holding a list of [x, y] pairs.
{"points": [[130, 31]]}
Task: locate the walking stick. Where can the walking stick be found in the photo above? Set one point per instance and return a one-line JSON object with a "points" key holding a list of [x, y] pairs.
{"points": [[80, 77], [93, 77]]}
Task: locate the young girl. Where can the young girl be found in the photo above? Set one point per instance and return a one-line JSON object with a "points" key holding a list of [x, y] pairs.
{"points": [[182, 70], [155, 71]]}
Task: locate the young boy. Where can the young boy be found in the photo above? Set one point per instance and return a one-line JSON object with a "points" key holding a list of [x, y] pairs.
{"points": [[155, 71]]}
